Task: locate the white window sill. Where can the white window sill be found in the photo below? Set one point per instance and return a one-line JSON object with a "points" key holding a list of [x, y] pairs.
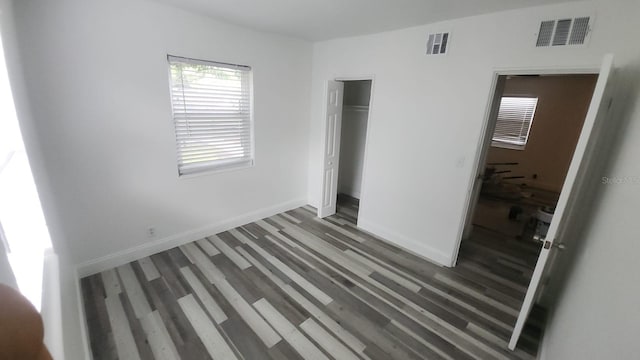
{"points": [[503, 145], [219, 170]]}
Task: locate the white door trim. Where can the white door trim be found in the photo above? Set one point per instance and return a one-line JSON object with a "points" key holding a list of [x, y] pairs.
{"points": [[573, 188], [363, 188], [482, 146]]}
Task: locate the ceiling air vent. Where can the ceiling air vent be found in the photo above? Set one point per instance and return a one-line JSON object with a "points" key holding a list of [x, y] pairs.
{"points": [[437, 43], [563, 32]]}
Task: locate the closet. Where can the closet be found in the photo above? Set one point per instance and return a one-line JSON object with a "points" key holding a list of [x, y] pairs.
{"points": [[355, 113]]}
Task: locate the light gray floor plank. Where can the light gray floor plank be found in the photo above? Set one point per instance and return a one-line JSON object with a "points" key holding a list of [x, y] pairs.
{"points": [[238, 235], [203, 263], [341, 230], [330, 344], [326, 288], [385, 272], [268, 227], [208, 248], [268, 336], [292, 274], [134, 291], [149, 268], [230, 253], [207, 332], [289, 332], [207, 300], [161, 344], [290, 218], [327, 321], [125, 344], [111, 283], [280, 221]]}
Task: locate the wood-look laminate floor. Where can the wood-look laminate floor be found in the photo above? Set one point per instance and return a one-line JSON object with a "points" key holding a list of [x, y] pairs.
{"points": [[297, 287]]}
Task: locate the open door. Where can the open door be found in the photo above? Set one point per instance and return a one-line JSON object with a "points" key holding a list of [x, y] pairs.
{"points": [[331, 154], [481, 160], [574, 182]]}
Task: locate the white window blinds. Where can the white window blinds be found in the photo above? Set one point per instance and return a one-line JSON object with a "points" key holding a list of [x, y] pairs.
{"points": [[212, 114], [514, 121]]}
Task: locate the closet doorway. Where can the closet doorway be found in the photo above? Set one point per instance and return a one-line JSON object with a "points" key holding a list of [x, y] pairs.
{"points": [[347, 122], [353, 136]]}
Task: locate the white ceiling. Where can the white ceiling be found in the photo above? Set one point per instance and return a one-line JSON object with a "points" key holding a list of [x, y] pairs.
{"points": [[327, 19]]}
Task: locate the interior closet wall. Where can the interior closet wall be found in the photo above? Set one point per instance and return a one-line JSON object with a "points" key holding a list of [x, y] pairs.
{"points": [[354, 132]]}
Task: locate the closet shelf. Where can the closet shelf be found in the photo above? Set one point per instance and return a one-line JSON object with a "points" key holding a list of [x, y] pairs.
{"points": [[356, 107]]}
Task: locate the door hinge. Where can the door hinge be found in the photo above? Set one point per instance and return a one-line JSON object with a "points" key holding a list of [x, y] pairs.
{"points": [[548, 244]]}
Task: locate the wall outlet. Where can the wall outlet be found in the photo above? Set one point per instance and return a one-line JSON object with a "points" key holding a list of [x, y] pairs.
{"points": [[151, 232]]}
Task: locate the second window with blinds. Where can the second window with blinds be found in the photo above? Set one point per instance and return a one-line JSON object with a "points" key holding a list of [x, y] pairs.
{"points": [[212, 115], [515, 118]]}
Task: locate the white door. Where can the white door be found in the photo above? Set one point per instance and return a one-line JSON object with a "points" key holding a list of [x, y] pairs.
{"points": [[487, 137], [331, 154], [575, 180]]}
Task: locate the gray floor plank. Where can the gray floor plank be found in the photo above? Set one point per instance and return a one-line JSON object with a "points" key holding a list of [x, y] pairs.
{"points": [[149, 268], [160, 342], [294, 286], [134, 290], [122, 333], [289, 332], [207, 332], [329, 343]]}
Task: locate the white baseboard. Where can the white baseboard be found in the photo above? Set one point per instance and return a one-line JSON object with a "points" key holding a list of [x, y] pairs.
{"points": [[83, 317], [410, 245], [350, 191], [128, 255], [51, 309]]}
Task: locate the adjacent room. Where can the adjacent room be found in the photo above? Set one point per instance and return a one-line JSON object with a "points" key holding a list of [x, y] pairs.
{"points": [[186, 179], [534, 136]]}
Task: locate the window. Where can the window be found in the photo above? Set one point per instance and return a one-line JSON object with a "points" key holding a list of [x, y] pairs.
{"points": [[212, 115], [514, 122]]}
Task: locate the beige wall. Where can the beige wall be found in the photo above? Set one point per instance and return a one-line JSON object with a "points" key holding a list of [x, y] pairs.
{"points": [[562, 105]]}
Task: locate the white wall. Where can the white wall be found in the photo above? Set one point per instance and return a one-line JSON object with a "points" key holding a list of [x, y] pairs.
{"points": [[107, 168], [422, 140], [95, 104], [426, 122], [6, 273], [28, 127], [98, 80], [353, 137]]}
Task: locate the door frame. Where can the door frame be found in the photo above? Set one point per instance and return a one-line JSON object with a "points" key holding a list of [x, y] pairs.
{"points": [[484, 143], [370, 77]]}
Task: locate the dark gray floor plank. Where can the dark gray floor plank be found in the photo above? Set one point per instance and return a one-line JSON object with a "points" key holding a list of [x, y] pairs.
{"points": [[187, 342], [100, 336], [144, 350], [396, 304]]}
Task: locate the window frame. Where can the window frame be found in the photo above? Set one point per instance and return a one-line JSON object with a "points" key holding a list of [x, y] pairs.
{"points": [[505, 144], [223, 165]]}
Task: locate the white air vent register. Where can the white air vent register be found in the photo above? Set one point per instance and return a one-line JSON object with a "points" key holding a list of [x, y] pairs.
{"points": [[437, 43], [564, 32]]}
